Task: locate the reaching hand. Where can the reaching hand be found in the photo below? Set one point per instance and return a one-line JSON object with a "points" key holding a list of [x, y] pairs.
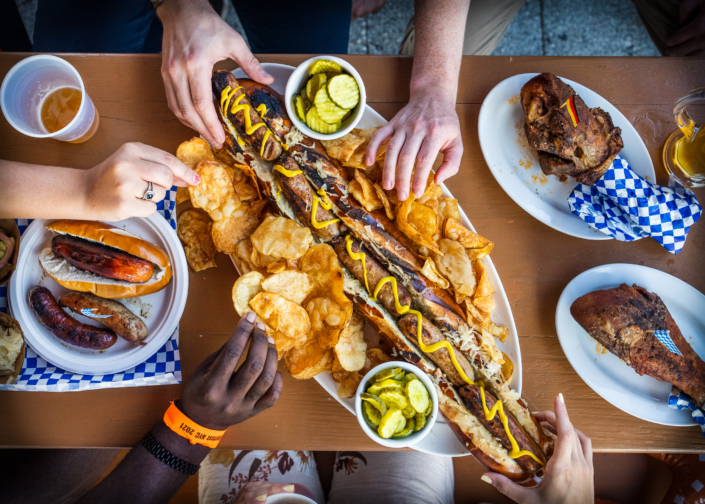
{"points": [[569, 474], [426, 126], [115, 187], [195, 38], [217, 396], [689, 40], [363, 8], [256, 492]]}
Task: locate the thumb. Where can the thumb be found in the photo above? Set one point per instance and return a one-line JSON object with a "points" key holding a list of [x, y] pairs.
{"points": [[247, 61], [506, 486]]}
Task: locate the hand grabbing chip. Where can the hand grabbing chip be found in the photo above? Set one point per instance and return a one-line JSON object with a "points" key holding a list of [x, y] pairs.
{"points": [[194, 229], [281, 314]]}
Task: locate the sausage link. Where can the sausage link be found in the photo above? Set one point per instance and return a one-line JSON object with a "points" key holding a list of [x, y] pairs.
{"points": [[473, 400], [274, 111], [102, 260], [66, 327]]}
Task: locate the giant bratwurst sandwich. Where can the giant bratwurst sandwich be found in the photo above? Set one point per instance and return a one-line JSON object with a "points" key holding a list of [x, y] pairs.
{"points": [[333, 241]]}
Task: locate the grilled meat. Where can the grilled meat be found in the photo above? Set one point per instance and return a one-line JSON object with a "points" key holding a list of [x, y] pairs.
{"points": [[584, 151], [624, 319]]}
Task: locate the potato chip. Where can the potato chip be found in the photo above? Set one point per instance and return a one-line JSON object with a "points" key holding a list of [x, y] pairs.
{"points": [[342, 148], [349, 381], [293, 285], [194, 151], [489, 347], [308, 361], [350, 351], [328, 319], [276, 267], [484, 303], [224, 156], [245, 191], [361, 139], [215, 192], [476, 245], [262, 260], [484, 286], [431, 272], [281, 314], [499, 332], [432, 191], [476, 317], [375, 357], [246, 287], [410, 231], [448, 208], [194, 229], [243, 251], [284, 344], [364, 193], [423, 218], [182, 194], [227, 233], [382, 195], [281, 238], [457, 268]]}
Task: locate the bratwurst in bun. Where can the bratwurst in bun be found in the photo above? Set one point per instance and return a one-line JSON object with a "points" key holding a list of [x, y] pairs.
{"points": [[91, 256]]}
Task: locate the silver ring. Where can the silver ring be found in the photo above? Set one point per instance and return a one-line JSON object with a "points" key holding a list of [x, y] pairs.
{"points": [[149, 193]]}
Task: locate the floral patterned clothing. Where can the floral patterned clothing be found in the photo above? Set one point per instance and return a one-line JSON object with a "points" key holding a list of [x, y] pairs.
{"points": [[225, 472]]}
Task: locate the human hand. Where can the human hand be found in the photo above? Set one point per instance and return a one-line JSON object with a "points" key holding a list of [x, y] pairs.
{"points": [[256, 492], [363, 8], [569, 473], [195, 38], [426, 126], [114, 188], [689, 40], [217, 396]]}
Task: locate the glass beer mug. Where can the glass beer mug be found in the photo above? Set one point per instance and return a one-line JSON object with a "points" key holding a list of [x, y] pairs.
{"points": [[684, 152]]}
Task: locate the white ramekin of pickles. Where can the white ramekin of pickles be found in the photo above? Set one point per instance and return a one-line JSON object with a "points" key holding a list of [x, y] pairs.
{"points": [[396, 404], [325, 97]]}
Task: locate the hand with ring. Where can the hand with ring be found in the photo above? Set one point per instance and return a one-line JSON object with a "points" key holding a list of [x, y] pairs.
{"points": [[130, 182]]}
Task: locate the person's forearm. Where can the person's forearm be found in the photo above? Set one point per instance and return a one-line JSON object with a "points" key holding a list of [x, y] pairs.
{"points": [[438, 46], [41, 192], [142, 478]]}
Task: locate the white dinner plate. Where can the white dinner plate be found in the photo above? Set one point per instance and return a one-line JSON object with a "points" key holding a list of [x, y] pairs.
{"points": [[161, 311], [441, 440], [515, 164], [641, 396]]}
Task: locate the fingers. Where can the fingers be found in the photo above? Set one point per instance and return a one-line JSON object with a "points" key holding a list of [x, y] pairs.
{"points": [[506, 486], [230, 354], [688, 48], [182, 90], [267, 374], [424, 162], [546, 416], [390, 161], [405, 165], [202, 95], [586, 445], [451, 161], [686, 33], [247, 61], [377, 139], [159, 192], [178, 169], [566, 433], [271, 396], [253, 367], [142, 208]]}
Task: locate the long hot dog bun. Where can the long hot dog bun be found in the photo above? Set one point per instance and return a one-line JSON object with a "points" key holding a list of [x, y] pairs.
{"points": [[75, 279]]}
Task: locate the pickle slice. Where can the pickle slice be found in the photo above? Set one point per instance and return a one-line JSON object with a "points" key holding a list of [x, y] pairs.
{"points": [[343, 91], [374, 401], [420, 419], [386, 374], [408, 429], [409, 377], [327, 110], [377, 388], [314, 122], [418, 395], [300, 107], [390, 423], [394, 399], [314, 84], [409, 412], [429, 410], [321, 65], [372, 415]]}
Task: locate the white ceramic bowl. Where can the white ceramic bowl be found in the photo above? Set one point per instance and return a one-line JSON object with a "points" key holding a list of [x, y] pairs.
{"points": [[412, 438], [298, 80]]}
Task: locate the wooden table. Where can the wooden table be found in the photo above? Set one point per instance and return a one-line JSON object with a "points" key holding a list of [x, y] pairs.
{"points": [[534, 261]]}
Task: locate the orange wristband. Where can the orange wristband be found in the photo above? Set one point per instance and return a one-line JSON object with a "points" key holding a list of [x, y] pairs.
{"points": [[187, 428]]}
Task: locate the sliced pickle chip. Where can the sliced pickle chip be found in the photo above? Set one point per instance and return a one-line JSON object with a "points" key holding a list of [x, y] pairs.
{"points": [[420, 419], [390, 423], [327, 110], [314, 84], [300, 107], [314, 122], [372, 415], [408, 428], [429, 410], [321, 65], [387, 374], [344, 91], [409, 412], [376, 389], [374, 401], [418, 395], [409, 377], [394, 399]]}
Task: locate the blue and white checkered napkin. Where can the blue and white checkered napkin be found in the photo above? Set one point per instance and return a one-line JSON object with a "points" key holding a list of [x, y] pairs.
{"points": [[162, 368], [678, 400], [626, 207]]}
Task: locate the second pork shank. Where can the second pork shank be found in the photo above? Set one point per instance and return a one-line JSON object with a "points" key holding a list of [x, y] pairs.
{"points": [[585, 151]]}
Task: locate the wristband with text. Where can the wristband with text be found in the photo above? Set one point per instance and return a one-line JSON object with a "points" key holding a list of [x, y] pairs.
{"points": [[187, 428]]}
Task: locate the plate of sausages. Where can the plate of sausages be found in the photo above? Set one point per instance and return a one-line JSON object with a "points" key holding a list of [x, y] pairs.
{"points": [[99, 298]]}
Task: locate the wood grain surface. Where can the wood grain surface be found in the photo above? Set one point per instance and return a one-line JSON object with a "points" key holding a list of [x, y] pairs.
{"points": [[534, 261]]}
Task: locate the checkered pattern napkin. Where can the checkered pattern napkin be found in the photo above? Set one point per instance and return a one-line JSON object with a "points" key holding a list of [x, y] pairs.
{"points": [[664, 336], [626, 207], [678, 400], [162, 368]]}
